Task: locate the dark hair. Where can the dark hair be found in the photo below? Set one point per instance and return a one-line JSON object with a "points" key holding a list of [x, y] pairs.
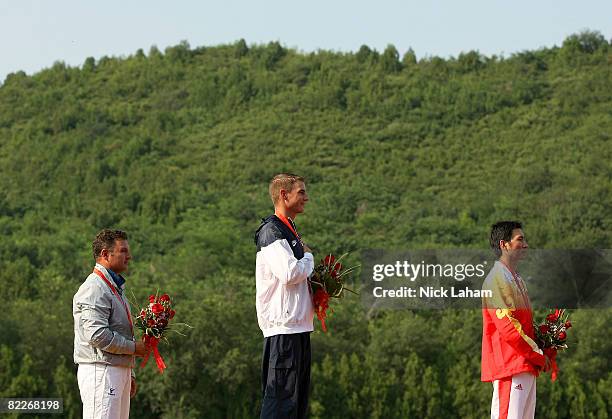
{"points": [[502, 230], [106, 239]]}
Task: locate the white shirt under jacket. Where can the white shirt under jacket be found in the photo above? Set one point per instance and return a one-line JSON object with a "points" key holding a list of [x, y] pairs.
{"points": [[283, 301]]}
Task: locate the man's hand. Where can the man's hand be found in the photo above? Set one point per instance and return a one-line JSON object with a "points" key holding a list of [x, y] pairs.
{"points": [[141, 348], [307, 249], [133, 388]]}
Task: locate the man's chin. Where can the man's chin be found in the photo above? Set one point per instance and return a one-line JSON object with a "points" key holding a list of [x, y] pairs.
{"points": [[122, 270]]}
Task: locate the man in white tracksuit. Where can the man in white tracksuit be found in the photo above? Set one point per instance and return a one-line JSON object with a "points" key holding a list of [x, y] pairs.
{"points": [[104, 345], [284, 302]]}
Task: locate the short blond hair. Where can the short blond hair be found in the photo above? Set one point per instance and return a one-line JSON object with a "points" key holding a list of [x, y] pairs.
{"points": [[283, 181]]}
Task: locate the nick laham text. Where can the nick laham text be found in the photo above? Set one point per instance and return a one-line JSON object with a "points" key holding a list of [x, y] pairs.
{"points": [[430, 292]]}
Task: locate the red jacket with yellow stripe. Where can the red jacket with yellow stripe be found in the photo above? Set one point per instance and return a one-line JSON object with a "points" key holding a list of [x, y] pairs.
{"points": [[508, 344]]}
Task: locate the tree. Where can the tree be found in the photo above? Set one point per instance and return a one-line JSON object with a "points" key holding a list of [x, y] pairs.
{"points": [[409, 59], [586, 42], [241, 48], [364, 54], [389, 60]]}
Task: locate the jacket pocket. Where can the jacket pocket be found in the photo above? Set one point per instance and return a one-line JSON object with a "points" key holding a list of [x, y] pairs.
{"points": [[498, 356], [285, 305]]}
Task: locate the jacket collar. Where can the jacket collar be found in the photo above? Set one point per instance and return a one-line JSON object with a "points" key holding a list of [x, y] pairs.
{"points": [[117, 280]]}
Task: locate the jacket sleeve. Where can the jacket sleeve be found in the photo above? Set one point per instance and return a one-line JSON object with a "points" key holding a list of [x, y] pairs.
{"points": [[284, 265], [503, 311], [95, 307]]}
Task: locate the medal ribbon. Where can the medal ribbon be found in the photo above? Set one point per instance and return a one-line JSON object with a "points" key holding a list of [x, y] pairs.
{"points": [[520, 285], [127, 311], [288, 224]]}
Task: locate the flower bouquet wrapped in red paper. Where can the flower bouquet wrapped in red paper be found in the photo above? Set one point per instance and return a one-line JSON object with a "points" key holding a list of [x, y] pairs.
{"points": [[327, 281], [153, 320], [551, 336]]}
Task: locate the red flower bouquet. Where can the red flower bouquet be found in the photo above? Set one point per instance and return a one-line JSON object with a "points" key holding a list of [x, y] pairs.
{"points": [[327, 281], [551, 336], [153, 321]]}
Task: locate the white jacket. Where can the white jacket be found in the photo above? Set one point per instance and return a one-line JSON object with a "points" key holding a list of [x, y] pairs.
{"points": [[283, 301], [102, 330]]}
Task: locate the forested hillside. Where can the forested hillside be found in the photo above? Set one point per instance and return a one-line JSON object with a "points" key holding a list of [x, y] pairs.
{"points": [[177, 148]]}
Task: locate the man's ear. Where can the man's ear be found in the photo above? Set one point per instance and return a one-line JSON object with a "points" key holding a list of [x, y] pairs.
{"points": [[104, 253]]}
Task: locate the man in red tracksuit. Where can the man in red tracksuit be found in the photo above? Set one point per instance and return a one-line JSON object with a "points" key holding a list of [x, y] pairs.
{"points": [[511, 359]]}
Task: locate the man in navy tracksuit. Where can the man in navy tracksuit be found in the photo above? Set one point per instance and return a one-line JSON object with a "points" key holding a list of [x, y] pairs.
{"points": [[284, 302]]}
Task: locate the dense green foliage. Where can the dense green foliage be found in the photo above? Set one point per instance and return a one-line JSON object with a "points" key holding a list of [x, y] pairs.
{"points": [[177, 149]]}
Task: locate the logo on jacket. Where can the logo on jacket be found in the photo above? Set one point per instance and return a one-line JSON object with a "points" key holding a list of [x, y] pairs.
{"points": [[293, 243], [111, 391], [519, 387]]}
